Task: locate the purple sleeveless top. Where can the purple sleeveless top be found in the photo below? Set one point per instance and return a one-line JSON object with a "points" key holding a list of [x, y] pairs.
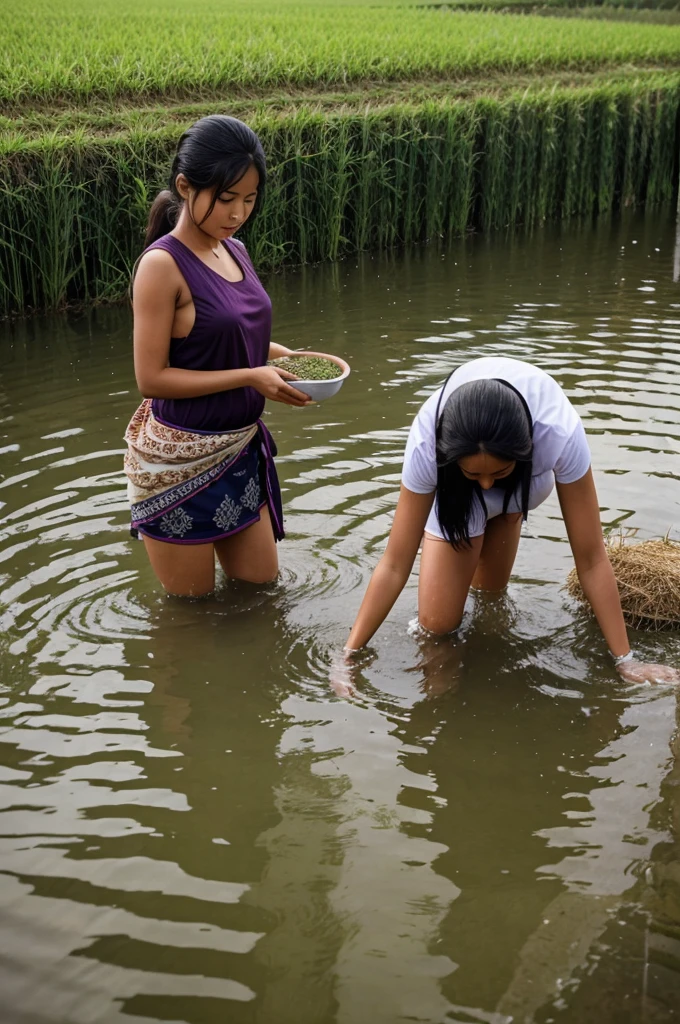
{"points": [[231, 332]]}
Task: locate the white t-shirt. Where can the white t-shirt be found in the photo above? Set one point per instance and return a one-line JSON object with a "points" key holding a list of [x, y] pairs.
{"points": [[560, 447]]}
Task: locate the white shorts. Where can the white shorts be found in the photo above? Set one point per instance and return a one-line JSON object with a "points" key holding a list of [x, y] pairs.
{"points": [[541, 487]]}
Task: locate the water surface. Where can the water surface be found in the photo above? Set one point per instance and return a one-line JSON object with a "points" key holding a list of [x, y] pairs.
{"points": [[194, 829]]}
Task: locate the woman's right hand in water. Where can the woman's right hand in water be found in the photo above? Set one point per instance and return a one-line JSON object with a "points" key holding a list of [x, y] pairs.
{"points": [[345, 670], [342, 673], [270, 381]]}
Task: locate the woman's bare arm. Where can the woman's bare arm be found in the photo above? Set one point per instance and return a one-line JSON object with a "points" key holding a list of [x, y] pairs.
{"points": [[276, 351], [393, 569], [581, 512]]}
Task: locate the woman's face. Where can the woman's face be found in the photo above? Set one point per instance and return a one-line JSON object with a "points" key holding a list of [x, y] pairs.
{"points": [[485, 469], [232, 207]]}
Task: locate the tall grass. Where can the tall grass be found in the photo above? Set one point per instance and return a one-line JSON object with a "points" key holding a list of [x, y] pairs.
{"points": [[80, 50], [74, 210]]}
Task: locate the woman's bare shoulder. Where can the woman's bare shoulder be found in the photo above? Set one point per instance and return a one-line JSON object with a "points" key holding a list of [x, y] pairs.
{"points": [[156, 258], [156, 269]]}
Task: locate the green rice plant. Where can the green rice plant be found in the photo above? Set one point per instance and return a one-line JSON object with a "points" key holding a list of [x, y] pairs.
{"points": [[493, 163], [609, 142], [342, 182], [365, 195], [661, 188], [463, 130], [571, 169], [548, 172], [390, 135]]}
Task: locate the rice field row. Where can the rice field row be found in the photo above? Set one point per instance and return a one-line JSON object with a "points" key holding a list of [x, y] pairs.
{"points": [[104, 120], [83, 53], [342, 182]]}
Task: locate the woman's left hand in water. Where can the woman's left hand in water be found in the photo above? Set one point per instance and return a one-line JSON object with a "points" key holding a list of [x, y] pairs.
{"points": [[634, 671]]}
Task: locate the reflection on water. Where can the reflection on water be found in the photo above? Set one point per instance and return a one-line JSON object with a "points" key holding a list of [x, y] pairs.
{"points": [[192, 828]]}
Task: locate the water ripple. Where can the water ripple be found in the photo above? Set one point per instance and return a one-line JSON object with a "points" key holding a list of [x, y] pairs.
{"points": [[192, 826]]}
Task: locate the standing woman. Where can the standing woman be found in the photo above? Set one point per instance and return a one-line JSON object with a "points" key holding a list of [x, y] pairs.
{"points": [[482, 451], [201, 476]]}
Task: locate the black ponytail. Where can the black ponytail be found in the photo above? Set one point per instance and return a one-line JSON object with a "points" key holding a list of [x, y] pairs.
{"points": [[162, 216]]}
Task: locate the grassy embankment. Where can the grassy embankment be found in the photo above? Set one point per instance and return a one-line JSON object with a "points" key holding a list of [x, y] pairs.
{"points": [[382, 126]]}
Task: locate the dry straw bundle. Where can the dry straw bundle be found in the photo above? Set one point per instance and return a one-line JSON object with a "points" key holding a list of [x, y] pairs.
{"points": [[648, 577]]}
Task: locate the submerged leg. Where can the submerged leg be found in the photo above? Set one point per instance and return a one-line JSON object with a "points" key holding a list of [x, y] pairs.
{"points": [[499, 550], [185, 570], [251, 554], [444, 582], [446, 575]]}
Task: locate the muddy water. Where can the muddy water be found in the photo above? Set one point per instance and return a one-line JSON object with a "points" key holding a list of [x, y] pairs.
{"points": [[193, 828]]}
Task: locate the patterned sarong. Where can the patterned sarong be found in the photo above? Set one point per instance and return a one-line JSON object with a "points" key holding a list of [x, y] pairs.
{"points": [[187, 487]]}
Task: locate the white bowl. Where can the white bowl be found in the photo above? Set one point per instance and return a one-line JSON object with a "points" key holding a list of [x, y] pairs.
{"points": [[320, 389]]}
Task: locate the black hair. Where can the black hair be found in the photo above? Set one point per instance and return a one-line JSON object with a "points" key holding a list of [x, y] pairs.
{"points": [[487, 416], [213, 154]]}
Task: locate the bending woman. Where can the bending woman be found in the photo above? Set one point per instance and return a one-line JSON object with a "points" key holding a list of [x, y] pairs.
{"points": [[201, 476], [482, 451]]}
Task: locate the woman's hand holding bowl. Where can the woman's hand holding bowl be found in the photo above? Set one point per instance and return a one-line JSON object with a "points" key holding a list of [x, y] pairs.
{"points": [[270, 381]]}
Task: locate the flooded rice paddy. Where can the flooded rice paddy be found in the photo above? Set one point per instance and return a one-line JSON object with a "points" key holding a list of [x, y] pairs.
{"points": [[193, 828]]}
